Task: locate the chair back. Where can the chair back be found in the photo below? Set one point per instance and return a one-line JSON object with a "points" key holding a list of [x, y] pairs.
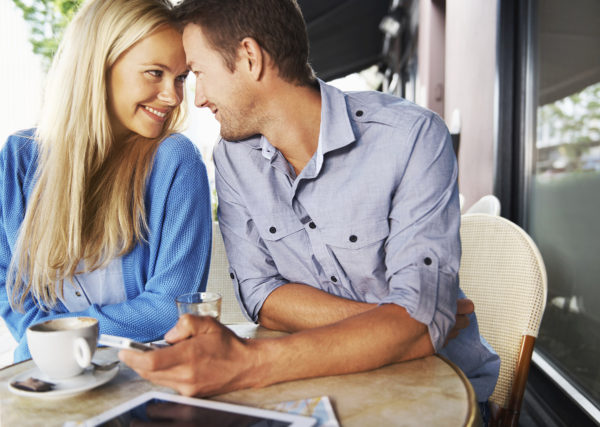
{"points": [[502, 271], [488, 204], [219, 280]]}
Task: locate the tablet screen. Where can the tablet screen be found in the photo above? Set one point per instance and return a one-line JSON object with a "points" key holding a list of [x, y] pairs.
{"points": [[154, 408], [164, 413]]}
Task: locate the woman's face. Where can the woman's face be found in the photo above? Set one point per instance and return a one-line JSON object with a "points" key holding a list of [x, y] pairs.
{"points": [[146, 83]]}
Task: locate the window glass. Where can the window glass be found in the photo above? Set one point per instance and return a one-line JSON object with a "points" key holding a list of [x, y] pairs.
{"points": [[564, 198]]}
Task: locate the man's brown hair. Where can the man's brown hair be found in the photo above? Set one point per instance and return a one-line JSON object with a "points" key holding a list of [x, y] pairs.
{"points": [[276, 25]]}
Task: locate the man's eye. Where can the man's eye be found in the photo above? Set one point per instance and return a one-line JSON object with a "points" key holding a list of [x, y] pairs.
{"points": [[181, 78]]}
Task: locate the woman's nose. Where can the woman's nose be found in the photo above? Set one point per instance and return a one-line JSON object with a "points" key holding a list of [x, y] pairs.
{"points": [[170, 95]]}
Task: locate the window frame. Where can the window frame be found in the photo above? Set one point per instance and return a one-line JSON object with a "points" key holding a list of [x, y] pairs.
{"points": [[551, 396]]}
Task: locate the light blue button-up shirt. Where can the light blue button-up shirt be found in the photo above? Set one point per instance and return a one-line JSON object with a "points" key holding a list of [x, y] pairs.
{"points": [[104, 286], [373, 216]]}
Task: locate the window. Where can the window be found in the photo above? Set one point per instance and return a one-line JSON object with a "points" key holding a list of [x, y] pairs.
{"points": [[562, 204]]}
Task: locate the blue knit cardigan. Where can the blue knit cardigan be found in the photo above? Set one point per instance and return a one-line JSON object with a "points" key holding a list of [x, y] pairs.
{"points": [[173, 260]]}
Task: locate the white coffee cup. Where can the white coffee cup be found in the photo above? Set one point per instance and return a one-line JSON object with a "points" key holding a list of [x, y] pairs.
{"points": [[63, 348]]}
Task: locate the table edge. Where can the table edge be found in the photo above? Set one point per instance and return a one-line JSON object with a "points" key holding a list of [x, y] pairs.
{"points": [[473, 408], [472, 398]]}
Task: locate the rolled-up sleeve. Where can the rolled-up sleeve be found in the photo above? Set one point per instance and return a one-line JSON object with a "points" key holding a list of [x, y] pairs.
{"points": [[423, 247], [252, 268]]}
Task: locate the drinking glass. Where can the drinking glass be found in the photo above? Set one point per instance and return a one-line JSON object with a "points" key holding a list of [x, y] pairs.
{"points": [[200, 304]]}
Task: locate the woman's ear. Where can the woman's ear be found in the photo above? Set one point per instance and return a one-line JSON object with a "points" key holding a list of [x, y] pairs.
{"points": [[252, 57]]}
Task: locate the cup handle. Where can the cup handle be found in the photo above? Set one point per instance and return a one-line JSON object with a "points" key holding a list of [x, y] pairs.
{"points": [[83, 355]]}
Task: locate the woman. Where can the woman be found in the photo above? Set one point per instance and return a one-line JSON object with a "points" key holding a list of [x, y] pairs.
{"points": [[104, 211]]}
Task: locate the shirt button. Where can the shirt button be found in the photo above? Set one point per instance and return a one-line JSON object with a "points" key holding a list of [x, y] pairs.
{"points": [[272, 230], [359, 113], [353, 238], [232, 276], [427, 261], [78, 293], [312, 225], [333, 279]]}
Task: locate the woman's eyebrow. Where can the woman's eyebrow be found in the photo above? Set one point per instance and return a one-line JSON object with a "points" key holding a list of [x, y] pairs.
{"points": [[157, 64], [163, 66]]}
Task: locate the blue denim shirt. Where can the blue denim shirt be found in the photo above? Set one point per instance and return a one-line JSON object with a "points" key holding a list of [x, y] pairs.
{"points": [[374, 217]]}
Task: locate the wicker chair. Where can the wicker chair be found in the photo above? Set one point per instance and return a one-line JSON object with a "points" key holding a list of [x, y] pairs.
{"points": [[503, 273], [219, 280]]}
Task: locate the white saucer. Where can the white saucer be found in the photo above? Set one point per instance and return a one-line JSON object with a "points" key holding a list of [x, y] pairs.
{"points": [[89, 379]]}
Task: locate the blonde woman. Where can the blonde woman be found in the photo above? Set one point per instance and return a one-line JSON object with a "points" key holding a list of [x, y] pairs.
{"points": [[104, 210]]}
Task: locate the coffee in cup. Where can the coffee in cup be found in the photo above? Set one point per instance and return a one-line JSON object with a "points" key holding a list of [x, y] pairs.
{"points": [[62, 348]]}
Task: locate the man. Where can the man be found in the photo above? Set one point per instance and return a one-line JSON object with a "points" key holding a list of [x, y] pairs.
{"points": [[339, 213]]}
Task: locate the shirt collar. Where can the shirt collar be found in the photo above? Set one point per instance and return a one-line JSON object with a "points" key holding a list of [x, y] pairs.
{"points": [[268, 151], [335, 130]]}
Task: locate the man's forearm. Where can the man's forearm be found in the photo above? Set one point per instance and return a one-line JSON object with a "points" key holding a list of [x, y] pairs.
{"points": [[295, 307], [377, 337], [206, 358]]}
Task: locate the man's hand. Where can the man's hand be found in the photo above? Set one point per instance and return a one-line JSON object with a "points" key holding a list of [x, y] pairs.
{"points": [[464, 307], [205, 359]]}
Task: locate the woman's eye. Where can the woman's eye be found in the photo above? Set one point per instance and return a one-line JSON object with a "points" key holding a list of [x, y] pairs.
{"points": [[155, 73]]}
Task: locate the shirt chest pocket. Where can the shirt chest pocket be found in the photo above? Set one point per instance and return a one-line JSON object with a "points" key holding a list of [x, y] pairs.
{"points": [[277, 226], [359, 251], [286, 242], [356, 236]]}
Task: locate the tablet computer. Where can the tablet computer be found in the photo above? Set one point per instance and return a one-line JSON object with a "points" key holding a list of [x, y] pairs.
{"points": [[157, 408]]}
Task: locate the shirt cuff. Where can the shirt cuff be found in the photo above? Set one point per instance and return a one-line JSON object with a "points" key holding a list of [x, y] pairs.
{"points": [[251, 294], [429, 296]]}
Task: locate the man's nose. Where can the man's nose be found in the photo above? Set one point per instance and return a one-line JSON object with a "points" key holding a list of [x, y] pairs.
{"points": [[200, 100]]}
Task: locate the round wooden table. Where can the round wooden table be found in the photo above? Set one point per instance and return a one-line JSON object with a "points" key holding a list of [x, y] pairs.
{"points": [[429, 391]]}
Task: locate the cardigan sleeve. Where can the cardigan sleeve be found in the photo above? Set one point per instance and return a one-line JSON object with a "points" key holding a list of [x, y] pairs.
{"points": [[17, 171], [176, 257], [173, 259]]}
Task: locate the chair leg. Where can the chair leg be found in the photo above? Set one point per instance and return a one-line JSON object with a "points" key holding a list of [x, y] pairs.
{"points": [[495, 414], [509, 417]]}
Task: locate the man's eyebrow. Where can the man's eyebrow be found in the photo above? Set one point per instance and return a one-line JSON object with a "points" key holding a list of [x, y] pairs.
{"points": [[191, 64]]}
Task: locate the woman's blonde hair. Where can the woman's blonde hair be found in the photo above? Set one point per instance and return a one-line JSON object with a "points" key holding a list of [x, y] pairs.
{"points": [[88, 202]]}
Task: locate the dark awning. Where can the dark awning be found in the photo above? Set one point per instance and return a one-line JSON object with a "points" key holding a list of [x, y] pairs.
{"points": [[569, 49], [344, 35]]}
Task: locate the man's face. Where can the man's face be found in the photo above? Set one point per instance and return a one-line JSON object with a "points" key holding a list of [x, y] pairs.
{"points": [[226, 93]]}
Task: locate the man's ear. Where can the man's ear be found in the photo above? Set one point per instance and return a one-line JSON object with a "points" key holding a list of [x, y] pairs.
{"points": [[252, 57]]}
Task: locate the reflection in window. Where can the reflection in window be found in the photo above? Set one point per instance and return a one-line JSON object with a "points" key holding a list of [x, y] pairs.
{"points": [[568, 134], [564, 203]]}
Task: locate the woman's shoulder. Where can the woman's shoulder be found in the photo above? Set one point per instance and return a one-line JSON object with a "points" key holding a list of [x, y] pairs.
{"points": [[177, 153], [20, 148], [178, 147], [22, 140]]}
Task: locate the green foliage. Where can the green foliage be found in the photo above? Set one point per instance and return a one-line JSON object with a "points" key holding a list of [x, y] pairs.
{"points": [[47, 19], [571, 127]]}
